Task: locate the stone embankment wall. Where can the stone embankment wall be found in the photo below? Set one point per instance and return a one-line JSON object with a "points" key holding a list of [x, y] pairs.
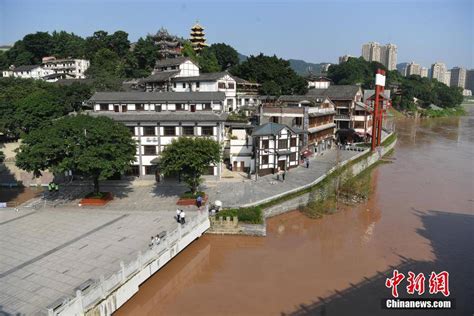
{"points": [[232, 226]]}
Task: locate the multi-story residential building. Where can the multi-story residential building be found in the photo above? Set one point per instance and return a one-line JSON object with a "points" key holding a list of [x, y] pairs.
{"points": [[27, 72], [344, 58], [313, 115], [384, 54], [155, 119], [447, 78], [277, 148], [247, 93], [438, 71], [413, 69], [470, 80], [423, 72], [458, 77], [68, 68], [239, 147], [344, 98]]}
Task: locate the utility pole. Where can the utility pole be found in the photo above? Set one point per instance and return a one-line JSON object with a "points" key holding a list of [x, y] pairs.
{"points": [[378, 109]]}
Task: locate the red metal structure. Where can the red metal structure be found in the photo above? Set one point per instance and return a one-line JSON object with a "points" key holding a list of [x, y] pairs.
{"points": [[377, 114]]}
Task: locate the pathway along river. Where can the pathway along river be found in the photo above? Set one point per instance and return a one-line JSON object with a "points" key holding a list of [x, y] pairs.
{"points": [[419, 217]]}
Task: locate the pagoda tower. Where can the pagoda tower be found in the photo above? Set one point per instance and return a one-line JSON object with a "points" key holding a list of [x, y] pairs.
{"points": [[197, 38]]}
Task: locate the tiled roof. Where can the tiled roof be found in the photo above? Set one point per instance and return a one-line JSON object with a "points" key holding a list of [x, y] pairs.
{"points": [[160, 76], [336, 92], [171, 62], [369, 93], [273, 129], [211, 76], [25, 68], [184, 116], [157, 96]]}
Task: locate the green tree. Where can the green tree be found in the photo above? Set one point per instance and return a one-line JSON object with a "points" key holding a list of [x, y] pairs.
{"points": [[145, 53], [190, 157], [105, 63], [2, 156], [96, 42], [39, 44], [226, 55], [271, 71], [207, 61], [66, 45], [119, 43], [36, 110], [94, 147]]}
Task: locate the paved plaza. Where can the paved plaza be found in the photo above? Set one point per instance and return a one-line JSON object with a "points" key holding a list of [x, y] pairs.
{"points": [[47, 253], [234, 194]]}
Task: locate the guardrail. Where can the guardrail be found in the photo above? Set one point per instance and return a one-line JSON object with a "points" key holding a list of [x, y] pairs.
{"points": [[99, 290]]}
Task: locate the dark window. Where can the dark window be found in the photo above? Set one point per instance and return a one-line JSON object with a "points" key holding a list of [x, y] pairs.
{"points": [[184, 85], [197, 84], [139, 107], [179, 107], [265, 144], [274, 119], [132, 130], [293, 142], [170, 131], [207, 130], [207, 106], [149, 131], [174, 84], [124, 108], [157, 107], [221, 85], [104, 107], [283, 143], [265, 160], [298, 121], [149, 150], [231, 85], [116, 108], [188, 130], [293, 157], [149, 170]]}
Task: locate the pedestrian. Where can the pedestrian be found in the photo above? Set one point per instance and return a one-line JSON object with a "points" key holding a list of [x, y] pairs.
{"points": [[182, 217], [307, 163], [284, 175], [178, 212], [199, 201]]}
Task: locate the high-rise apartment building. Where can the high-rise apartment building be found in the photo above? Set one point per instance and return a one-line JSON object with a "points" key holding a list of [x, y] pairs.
{"points": [[458, 77], [447, 78], [413, 69], [470, 80], [384, 54], [423, 72], [438, 71]]}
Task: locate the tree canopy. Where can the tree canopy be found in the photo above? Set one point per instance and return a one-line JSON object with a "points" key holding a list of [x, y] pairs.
{"points": [[226, 56], [360, 71], [190, 157], [93, 147], [275, 75]]}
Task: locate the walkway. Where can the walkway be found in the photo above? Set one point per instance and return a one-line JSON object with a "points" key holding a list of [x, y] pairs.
{"points": [[234, 194]]}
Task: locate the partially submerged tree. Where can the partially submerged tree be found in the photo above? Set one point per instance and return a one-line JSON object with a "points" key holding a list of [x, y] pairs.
{"points": [[190, 157], [94, 147]]}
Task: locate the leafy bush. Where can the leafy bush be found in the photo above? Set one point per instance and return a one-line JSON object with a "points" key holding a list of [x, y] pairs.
{"points": [[190, 195], [252, 215]]}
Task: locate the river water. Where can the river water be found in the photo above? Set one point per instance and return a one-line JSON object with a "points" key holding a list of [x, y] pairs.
{"points": [[419, 218]]}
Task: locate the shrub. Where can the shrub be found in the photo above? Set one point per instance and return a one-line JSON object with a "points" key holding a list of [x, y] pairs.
{"points": [[252, 215], [190, 195]]}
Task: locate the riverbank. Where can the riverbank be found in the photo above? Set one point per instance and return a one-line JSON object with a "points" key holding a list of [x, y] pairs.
{"points": [[279, 203]]}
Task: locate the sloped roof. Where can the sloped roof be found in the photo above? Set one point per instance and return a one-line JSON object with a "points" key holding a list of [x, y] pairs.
{"points": [[370, 93], [25, 68], [210, 76], [160, 76], [273, 129], [185, 116], [136, 96], [336, 92], [171, 62]]}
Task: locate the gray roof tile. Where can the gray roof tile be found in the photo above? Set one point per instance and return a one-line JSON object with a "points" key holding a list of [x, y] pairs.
{"points": [[157, 97]]}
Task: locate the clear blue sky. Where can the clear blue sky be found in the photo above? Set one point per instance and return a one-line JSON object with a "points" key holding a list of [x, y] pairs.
{"points": [[316, 31]]}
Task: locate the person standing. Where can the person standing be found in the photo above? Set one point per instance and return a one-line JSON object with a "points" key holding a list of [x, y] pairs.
{"points": [[178, 213], [284, 175], [199, 201], [307, 163], [182, 217]]}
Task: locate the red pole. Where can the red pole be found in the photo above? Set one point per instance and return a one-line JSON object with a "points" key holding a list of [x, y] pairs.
{"points": [[378, 110], [375, 116], [381, 110]]}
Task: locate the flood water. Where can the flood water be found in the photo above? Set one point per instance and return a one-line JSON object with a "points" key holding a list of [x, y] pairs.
{"points": [[419, 217]]}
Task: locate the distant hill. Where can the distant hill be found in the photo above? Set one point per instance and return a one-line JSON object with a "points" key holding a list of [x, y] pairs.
{"points": [[299, 66]]}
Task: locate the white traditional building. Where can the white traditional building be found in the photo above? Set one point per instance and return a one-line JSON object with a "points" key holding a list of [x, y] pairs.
{"points": [[181, 74], [27, 72], [277, 148], [155, 119]]}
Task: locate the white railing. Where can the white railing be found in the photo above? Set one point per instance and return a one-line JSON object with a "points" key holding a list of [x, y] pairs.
{"points": [[106, 285]]}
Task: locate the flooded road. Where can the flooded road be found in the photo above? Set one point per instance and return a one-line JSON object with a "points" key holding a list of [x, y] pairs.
{"points": [[419, 217]]}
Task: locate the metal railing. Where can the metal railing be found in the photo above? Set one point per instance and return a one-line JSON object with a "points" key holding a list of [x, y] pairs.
{"points": [[102, 288]]}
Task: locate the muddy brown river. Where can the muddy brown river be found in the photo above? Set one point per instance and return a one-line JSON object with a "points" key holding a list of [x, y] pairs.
{"points": [[420, 218]]}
